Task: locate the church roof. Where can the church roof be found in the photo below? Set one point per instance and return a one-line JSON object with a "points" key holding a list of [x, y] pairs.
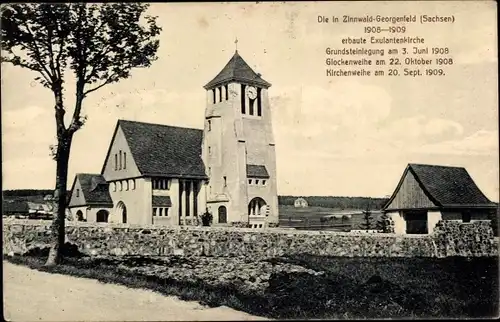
{"points": [[95, 189], [163, 150], [447, 186], [237, 70]]}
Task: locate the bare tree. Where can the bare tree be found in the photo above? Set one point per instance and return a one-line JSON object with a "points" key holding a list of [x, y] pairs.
{"points": [[97, 44]]}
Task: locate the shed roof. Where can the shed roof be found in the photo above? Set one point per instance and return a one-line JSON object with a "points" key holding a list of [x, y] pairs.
{"points": [[446, 186], [163, 201], [257, 171], [163, 150], [237, 70]]}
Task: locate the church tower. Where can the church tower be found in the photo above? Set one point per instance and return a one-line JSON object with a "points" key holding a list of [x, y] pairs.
{"points": [[238, 148]]}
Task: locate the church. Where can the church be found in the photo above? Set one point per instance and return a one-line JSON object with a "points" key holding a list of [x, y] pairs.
{"points": [[166, 175]]}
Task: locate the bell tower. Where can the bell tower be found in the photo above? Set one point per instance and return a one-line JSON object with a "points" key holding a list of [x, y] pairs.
{"points": [[239, 149]]}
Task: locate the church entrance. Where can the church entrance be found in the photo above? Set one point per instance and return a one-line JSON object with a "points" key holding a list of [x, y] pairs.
{"points": [[222, 215], [257, 207], [102, 216], [121, 212]]}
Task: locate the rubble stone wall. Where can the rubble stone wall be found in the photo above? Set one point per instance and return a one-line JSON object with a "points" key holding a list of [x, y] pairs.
{"points": [[448, 239]]}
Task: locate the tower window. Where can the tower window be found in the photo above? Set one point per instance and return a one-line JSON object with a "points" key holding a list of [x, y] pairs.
{"points": [[213, 95], [78, 192], [249, 181], [263, 182], [209, 150], [209, 171], [256, 181], [259, 102], [225, 181], [251, 107], [116, 161], [120, 159], [220, 94], [243, 101], [209, 125], [227, 92], [124, 160]]}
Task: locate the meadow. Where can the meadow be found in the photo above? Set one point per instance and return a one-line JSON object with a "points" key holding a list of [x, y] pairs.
{"points": [[310, 218]]}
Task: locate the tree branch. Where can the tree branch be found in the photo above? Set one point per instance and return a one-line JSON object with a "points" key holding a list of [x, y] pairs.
{"points": [[36, 50], [108, 81], [16, 60]]}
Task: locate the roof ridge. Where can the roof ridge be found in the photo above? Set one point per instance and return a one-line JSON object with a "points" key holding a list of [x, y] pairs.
{"points": [[436, 165], [159, 124]]}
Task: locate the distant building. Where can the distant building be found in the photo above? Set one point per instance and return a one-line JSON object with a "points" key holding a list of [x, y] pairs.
{"points": [[427, 194], [300, 203], [15, 207]]}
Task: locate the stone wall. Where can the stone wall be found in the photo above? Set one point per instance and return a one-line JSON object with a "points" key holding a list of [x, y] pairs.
{"points": [[449, 239], [455, 238]]}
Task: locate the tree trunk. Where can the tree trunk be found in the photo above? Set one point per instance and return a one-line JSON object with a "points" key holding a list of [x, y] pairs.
{"points": [[60, 200]]}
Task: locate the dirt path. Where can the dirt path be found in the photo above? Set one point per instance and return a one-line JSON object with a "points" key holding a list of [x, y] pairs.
{"points": [[30, 295]]}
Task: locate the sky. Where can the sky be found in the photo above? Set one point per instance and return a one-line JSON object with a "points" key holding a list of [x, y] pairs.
{"points": [[339, 136]]}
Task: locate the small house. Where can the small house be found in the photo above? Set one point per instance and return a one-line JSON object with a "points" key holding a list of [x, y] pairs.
{"points": [[427, 194], [300, 203], [15, 208]]}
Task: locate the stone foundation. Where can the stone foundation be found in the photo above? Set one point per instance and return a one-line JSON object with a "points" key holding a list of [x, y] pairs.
{"points": [[449, 239]]}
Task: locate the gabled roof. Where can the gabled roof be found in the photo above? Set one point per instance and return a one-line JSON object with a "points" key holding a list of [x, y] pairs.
{"points": [[447, 187], [257, 171], [95, 189], [163, 150], [237, 70]]}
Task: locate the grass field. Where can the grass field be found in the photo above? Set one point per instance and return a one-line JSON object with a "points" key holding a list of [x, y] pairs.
{"points": [[303, 217], [350, 288]]}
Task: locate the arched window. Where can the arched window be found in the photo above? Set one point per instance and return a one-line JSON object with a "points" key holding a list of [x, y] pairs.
{"points": [[113, 186], [79, 215], [120, 187], [132, 184], [124, 160], [126, 185]]}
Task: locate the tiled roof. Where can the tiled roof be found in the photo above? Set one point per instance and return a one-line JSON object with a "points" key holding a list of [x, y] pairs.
{"points": [[449, 186], [162, 150], [95, 189], [237, 70], [257, 171], [17, 206], [163, 201]]}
